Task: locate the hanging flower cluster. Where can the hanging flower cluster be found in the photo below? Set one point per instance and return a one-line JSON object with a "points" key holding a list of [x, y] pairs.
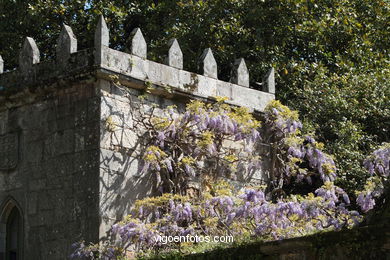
{"points": [[378, 166], [297, 157], [247, 214], [378, 163], [281, 120], [207, 139], [307, 152]]}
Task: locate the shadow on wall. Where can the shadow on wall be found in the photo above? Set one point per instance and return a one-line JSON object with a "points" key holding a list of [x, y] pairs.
{"points": [[122, 143]]}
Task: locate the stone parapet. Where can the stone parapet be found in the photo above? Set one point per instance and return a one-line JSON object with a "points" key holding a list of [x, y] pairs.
{"points": [[135, 65]]}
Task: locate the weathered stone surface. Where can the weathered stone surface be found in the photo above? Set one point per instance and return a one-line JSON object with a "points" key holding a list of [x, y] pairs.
{"points": [[66, 44], [175, 56], [249, 98], [206, 87], [169, 76], [9, 151], [102, 35], [53, 184], [208, 65], [29, 55], [240, 73], [269, 81], [1, 65], [3, 122], [138, 44]]}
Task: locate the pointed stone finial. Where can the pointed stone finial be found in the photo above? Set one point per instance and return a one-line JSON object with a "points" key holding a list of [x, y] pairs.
{"points": [[269, 81], [138, 44], [175, 56], [1, 65], [208, 65], [102, 35], [240, 73], [29, 54], [66, 44]]}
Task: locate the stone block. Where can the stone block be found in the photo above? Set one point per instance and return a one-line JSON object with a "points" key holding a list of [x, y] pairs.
{"points": [[61, 142], [187, 79], [63, 111], [34, 151], [64, 123], [80, 113], [120, 163], [169, 76], [35, 170], [93, 110], [92, 136], [154, 72], [224, 89], [9, 151], [207, 87], [37, 184], [3, 122], [120, 113], [32, 203], [79, 140], [250, 98], [139, 68], [45, 202]]}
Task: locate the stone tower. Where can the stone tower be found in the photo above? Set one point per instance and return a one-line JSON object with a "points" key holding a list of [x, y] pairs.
{"points": [[63, 176]]}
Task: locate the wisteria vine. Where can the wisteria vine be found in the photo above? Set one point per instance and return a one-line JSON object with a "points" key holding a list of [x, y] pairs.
{"points": [[248, 215], [378, 167], [295, 157], [197, 144]]}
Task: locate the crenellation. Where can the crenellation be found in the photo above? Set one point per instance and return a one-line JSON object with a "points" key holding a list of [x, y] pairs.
{"points": [[29, 55], [208, 65], [138, 44], [102, 39], [269, 81], [175, 55], [66, 44], [1, 65], [102, 34], [134, 66], [240, 73]]}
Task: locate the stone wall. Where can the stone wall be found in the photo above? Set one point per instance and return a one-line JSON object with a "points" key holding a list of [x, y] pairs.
{"points": [[71, 176], [52, 143]]}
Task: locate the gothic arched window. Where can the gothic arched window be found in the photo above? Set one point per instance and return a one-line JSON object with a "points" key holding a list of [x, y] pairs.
{"points": [[11, 231]]}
